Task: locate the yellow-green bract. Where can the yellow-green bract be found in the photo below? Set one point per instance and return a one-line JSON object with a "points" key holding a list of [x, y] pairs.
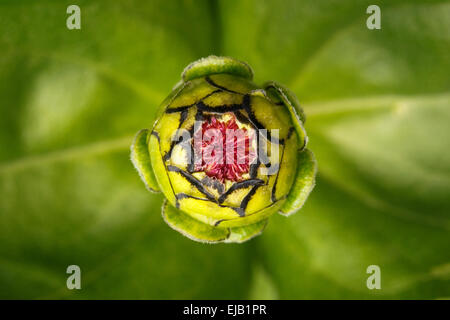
{"points": [[211, 196]]}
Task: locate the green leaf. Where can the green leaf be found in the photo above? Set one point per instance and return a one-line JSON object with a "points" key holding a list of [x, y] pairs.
{"points": [[71, 103], [377, 104]]}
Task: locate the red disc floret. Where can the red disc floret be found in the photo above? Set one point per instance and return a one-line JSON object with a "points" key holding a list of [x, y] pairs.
{"points": [[223, 149]]}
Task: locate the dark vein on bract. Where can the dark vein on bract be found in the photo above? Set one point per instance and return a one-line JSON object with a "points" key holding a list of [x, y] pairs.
{"points": [[273, 197], [183, 117], [242, 118], [256, 212], [154, 133], [213, 183], [162, 159], [193, 181], [179, 109], [240, 185], [181, 196], [211, 82], [248, 197], [218, 109], [183, 108], [291, 130], [247, 107]]}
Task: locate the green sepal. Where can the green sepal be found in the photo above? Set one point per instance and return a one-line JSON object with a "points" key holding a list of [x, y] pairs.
{"points": [[216, 65], [140, 158], [202, 232], [280, 93], [303, 184], [242, 234]]}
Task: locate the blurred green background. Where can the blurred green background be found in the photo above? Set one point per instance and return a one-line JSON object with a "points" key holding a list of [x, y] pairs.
{"points": [[378, 109]]}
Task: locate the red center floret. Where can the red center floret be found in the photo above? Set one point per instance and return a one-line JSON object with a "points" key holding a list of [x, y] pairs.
{"points": [[224, 149]]}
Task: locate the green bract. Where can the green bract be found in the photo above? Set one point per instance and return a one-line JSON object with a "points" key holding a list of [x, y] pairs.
{"points": [[221, 187]]}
